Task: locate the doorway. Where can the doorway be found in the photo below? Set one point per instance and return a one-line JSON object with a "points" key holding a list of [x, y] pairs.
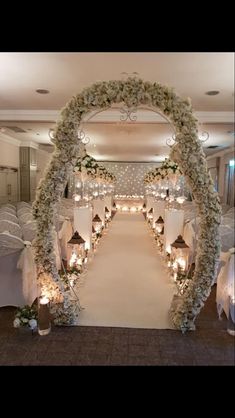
{"points": [[8, 185]]}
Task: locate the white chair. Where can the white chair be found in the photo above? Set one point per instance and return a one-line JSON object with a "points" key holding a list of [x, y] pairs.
{"points": [[10, 206], [9, 210], [225, 282], [29, 231], [25, 218], [11, 227], [22, 211], [64, 235], [7, 216], [17, 288], [20, 205]]}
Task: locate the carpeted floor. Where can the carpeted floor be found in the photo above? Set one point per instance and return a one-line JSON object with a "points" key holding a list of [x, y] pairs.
{"points": [[209, 345], [127, 283]]}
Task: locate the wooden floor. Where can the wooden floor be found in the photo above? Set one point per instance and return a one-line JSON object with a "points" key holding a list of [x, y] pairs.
{"points": [[210, 344]]}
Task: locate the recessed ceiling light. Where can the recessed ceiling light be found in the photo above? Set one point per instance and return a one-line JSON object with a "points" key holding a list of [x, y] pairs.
{"points": [[42, 91], [212, 92]]}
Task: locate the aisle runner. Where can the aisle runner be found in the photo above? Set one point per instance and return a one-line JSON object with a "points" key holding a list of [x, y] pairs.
{"points": [[126, 283]]}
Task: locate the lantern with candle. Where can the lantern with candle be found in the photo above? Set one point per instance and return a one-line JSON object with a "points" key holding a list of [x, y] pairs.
{"points": [[77, 246], [150, 215], [159, 225], [97, 223], [179, 255], [107, 214]]}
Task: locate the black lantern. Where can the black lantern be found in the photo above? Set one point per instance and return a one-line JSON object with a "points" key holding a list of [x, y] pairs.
{"points": [[150, 214], [97, 223], [179, 255], [159, 225], [77, 244], [107, 213]]}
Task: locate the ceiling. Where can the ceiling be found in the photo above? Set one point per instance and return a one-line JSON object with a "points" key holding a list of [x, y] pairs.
{"points": [[65, 74]]}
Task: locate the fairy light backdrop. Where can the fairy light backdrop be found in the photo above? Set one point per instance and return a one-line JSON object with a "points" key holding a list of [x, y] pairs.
{"points": [[130, 176]]}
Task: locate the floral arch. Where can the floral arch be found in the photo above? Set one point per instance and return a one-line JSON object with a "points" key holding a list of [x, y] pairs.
{"points": [[187, 153]]}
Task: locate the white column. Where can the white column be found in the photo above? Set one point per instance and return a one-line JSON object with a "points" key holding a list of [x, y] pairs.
{"points": [[108, 203], [83, 224], [173, 226], [149, 203], [158, 210], [98, 209]]}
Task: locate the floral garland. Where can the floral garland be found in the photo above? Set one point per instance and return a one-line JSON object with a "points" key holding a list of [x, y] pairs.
{"points": [[187, 152], [167, 170]]}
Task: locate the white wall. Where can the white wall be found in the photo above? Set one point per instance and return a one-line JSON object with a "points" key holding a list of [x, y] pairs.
{"points": [[223, 158], [9, 152], [43, 159]]}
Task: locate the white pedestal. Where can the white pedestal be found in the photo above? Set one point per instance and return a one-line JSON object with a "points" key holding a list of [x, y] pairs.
{"points": [[98, 209], [108, 203], [149, 203], [173, 226], [83, 224], [158, 210]]}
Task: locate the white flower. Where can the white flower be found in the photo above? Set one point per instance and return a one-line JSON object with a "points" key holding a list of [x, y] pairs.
{"points": [[16, 323], [32, 323], [25, 320]]}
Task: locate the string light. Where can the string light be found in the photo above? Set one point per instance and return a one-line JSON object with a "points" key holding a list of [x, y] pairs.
{"points": [[130, 177]]}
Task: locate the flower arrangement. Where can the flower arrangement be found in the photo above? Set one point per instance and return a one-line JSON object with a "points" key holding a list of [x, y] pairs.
{"points": [[187, 152], [86, 165], [26, 317], [168, 170]]}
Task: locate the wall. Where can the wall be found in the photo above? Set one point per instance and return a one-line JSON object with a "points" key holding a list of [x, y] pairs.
{"points": [[9, 152], [43, 159], [221, 159], [129, 176]]}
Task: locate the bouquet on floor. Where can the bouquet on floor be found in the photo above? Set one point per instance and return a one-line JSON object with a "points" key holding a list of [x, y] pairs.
{"points": [[26, 317]]}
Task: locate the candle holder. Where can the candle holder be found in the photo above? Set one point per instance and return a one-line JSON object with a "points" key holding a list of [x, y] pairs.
{"points": [[44, 321]]}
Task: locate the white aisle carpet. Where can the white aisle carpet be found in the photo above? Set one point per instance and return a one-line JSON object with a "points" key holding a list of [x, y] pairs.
{"points": [[126, 283]]}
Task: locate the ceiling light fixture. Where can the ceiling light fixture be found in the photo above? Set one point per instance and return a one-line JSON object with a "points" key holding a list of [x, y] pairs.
{"points": [[42, 91], [212, 92]]}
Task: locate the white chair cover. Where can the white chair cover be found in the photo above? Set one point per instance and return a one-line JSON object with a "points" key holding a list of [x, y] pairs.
{"points": [[65, 234], [29, 231], [10, 206], [16, 288], [225, 283], [20, 205], [57, 249], [25, 218], [8, 210], [11, 227], [29, 273], [10, 243], [23, 211], [189, 237], [7, 216]]}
